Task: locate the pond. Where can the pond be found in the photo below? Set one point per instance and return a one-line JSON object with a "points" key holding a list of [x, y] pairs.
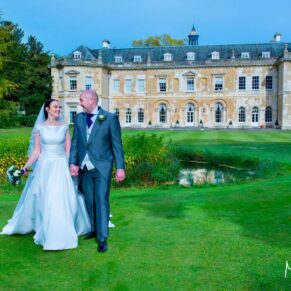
{"points": [[203, 173]]}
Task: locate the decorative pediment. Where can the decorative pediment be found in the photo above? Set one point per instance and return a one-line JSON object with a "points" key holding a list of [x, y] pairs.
{"points": [[72, 72], [190, 74]]}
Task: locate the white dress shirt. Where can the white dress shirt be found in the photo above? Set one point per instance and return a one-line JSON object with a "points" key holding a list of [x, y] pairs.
{"points": [[86, 160]]}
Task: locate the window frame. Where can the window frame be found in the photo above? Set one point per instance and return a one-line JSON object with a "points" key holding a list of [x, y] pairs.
{"points": [[269, 114], [140, 115], [244, 55], [128, 89], [118, 59], [255, 83], [269, 83], [218, 85], [139, 81], [137, 59], [73, 83], [242, 114], [115, 88], [86, 83], [160, 83]]}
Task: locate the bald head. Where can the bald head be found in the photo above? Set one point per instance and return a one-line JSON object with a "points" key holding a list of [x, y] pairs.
{"points": [[90, 94], [88, 100]]}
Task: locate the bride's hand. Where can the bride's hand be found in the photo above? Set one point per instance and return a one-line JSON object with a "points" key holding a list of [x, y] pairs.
{"points": [[74, 170]]}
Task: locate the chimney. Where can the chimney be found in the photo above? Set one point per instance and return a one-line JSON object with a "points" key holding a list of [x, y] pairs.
{"points": [[106, 43], [277, 37]]}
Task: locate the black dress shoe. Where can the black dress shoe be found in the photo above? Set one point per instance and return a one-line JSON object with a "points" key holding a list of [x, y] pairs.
{"points": [[90, 235], [102, 247]]}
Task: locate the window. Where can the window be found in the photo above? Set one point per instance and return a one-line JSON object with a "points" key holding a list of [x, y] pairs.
{"points": [[191, 56], [255, 82], [242, 114], [162, 85], [88, 82], [128, 86], [218, 83], [269, 83], [72, 116], [163, 113], [215, 56], [218, 112], [140, 85], [266, 54], [167, 57], [73, 83], [190, 84], [255, 114], [245, 55], [242, 83], [115, 86], [140, 115], [137, 59], [77, 55], [268, 114], [117, 112], [128, 116], [118, 59], [190, 108]]}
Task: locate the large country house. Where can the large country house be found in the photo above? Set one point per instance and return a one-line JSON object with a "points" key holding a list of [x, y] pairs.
{"points": [[214, 86]]}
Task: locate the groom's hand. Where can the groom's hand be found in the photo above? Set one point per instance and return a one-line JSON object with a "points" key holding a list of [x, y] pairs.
{"points": [[74, 170], [120, 175]]}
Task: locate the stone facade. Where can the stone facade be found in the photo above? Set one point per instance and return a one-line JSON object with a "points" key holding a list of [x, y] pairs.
{"points": [[238, 86]]}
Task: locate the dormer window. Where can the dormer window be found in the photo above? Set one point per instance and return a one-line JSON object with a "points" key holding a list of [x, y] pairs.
{"points": [[215, 55], [137, 59], [77, 55], [245, 55], [266, 55], [167, 57], [191, 56], [118, 59]]}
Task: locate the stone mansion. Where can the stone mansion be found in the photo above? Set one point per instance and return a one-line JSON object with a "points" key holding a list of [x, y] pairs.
{"points": [[214, 86]]}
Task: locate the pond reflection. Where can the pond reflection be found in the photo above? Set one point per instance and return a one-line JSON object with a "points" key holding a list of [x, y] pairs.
{"points": [[198, 176]]}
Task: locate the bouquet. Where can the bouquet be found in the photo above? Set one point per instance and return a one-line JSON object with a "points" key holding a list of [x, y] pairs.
{"points": [[13, 175]]}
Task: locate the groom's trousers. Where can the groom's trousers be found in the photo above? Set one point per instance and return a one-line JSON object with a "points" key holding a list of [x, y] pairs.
{"points": [[95, 189]]}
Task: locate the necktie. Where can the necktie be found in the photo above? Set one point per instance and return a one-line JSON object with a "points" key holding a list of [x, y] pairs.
{"points": [[89, 121]]}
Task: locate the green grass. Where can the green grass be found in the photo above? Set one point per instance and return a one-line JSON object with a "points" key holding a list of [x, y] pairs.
{"points": [[230, 237]]}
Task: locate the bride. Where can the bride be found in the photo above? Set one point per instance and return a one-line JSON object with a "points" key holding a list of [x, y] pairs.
{"points": [[49, 204]]}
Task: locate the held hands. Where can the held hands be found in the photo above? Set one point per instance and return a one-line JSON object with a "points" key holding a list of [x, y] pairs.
{"points": [[74, 170], [120, 175]]}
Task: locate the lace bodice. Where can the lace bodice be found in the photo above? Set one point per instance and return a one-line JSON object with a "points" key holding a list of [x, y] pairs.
{"points": [[52, 139]]}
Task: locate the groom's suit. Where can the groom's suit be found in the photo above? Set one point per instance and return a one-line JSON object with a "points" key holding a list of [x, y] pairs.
{"points": [[102, 145]]}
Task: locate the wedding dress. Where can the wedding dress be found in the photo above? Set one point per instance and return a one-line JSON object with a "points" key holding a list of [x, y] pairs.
{"points": [[49, 204]]}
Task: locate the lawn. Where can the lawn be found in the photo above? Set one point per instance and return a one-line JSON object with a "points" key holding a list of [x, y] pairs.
{"points": [[234, 236]]}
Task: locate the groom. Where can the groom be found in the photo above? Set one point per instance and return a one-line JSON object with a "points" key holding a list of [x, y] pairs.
{"points": [[96, 143]]}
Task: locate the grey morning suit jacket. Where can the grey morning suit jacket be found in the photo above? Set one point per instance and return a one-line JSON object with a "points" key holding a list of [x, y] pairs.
{"points": [[103, 146]]}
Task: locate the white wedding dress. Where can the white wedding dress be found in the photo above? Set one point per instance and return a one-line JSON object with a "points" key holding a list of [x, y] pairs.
{"points": [[49, 204]]}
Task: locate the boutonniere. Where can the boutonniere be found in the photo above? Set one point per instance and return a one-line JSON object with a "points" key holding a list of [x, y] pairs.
{"points": [[101, 118]]}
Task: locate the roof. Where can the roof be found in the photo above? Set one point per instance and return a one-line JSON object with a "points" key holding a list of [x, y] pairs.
{"points": [[179, 53]]}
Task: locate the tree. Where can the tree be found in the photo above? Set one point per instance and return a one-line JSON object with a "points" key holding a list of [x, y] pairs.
{"points": [[24, 71], [37, 83], [159, 40], [7, 85]]}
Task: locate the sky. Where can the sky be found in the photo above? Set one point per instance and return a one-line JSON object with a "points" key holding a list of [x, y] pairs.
{"points": [[63, 25]]}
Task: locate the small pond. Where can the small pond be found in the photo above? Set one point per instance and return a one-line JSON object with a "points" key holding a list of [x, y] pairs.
{"points": [[203, 173]]}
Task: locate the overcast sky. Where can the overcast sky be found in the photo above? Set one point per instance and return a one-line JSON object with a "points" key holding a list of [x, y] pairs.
{"points": [[63, 25]]}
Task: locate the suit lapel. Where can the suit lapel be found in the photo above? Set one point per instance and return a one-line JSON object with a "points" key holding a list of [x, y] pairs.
{"points": [[84, 127], [96, 126]]}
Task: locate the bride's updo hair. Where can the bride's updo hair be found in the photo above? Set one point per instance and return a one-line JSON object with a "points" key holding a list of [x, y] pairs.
{"points": [[47, 104]]}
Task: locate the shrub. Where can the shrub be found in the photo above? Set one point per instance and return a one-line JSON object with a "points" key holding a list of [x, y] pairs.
{"points": [[27, 120]]}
